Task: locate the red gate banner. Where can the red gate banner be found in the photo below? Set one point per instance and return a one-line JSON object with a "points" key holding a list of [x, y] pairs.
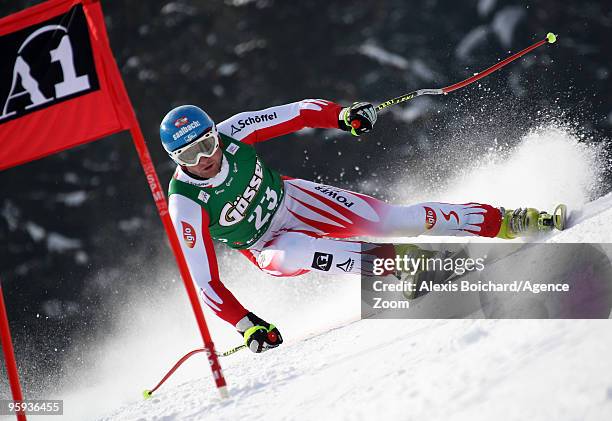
{"points": [[55, 90]]}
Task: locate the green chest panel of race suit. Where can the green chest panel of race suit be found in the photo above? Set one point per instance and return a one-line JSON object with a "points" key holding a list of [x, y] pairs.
{"points": [[241, 208]]}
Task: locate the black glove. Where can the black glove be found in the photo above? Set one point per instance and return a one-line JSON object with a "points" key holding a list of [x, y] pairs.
{"points": [[359, 118], [259, 335]]}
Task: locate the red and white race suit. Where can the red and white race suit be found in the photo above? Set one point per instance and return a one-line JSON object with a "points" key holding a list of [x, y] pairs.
{"points": [[305, 232]]}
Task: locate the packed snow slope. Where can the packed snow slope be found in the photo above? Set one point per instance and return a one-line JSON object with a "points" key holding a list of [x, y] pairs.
{"points": [[334, 366], [433, 370]]}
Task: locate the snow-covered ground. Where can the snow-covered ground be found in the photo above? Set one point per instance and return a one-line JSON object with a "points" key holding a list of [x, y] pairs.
{"points": [[335, 366], [404, 370]]}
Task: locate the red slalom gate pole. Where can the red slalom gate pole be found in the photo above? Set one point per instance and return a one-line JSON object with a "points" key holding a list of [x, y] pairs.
{"points": [[9, 356], [126, 112], [162, 208]]}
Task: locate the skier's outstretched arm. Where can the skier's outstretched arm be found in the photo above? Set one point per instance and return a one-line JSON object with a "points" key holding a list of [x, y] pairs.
{"points": [[256, 126], [191, 225]]}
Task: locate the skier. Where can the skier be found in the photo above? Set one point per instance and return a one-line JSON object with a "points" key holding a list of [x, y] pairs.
{"points": [[222, 190]]}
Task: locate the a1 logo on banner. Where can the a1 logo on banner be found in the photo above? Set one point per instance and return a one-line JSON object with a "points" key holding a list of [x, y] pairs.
{"points": [[46, 63]]}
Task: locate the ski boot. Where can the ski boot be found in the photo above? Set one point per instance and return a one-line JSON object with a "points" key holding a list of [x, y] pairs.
{"points": [[409, 251], [413, 281], [529, 221]]}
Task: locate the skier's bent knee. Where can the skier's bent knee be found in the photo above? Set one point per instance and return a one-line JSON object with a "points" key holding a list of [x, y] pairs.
{"points": [[279, 263]]}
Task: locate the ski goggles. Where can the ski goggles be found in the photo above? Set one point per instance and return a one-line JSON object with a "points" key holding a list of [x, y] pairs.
{"points": [[205, 146]]}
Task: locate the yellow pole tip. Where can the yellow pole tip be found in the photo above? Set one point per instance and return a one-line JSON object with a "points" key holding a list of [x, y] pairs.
{"points": [[551, 37], [147, 394]]}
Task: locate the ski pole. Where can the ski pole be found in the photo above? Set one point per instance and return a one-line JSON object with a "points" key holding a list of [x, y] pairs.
{"points": [[550, 39], [231, 351], [148, 392]]}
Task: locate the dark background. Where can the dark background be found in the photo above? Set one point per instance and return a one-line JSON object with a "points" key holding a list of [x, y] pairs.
{"points": [[78, 229]]}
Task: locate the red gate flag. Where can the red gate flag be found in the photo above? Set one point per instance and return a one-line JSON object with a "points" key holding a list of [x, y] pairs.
{"points": [[57, 87], [60, 87]]}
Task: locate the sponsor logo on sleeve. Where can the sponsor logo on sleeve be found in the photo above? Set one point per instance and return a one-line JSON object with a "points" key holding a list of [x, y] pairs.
{"points": [[430, 217], [255, 119], [189, 234], [322, 261]]}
